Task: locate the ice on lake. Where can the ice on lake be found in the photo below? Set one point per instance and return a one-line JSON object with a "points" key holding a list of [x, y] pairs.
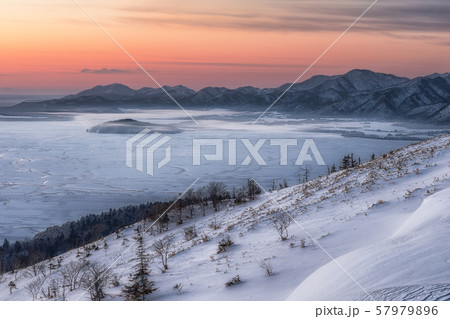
{"points": [[55, 171]]}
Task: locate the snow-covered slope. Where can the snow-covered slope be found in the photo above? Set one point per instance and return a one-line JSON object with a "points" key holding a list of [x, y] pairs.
{"points": [[386, 224], [416, 256]]}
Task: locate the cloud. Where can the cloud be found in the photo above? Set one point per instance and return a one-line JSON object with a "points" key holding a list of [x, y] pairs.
{"points": [[294, 16], [232, 64], [107, 71]]}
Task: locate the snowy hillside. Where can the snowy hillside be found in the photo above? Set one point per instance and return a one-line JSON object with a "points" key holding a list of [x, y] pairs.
{"points": [[386, 223]]}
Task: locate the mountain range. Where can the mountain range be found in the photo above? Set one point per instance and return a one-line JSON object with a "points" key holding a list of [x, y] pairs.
{"points": [[358, 93]]}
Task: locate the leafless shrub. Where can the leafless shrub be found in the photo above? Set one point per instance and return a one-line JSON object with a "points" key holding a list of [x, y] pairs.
{"points": [[224, 244], [190, 232], [378, 203], [266, 266], [115, 280], [234, 281], [281, 223], [302, 243], [179, 288], [213, 224], [408, 194]]}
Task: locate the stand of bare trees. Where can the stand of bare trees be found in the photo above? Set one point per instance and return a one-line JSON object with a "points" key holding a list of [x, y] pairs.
{"points": [[34, 287], [217, 192], [95, 279], [72, 273]]}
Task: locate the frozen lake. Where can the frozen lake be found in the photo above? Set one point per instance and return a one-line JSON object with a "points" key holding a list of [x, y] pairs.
{"points": [[55, 171]]}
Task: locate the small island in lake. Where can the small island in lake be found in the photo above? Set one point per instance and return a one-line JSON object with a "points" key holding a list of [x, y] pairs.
{"points": [[130, 126]]}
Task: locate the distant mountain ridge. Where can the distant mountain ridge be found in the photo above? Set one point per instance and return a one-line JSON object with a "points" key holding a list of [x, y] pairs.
{"points": [[358, 93]]}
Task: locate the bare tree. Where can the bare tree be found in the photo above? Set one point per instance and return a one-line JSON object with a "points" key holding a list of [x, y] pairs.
{"points": [[178, 210], [214, 225], [162, 247], [72, 272], [16, 266], [190, 198], [253, 189], [42, 269], [307, 173], [34, 287], [201, 195], [217, 191], [163, 219], [94, 279], [65, 284], [281, 223], [266, 265], [53, 289], [240, 195], [36, 269], [34, 259]]}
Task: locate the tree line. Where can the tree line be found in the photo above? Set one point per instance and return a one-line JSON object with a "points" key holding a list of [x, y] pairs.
{"points": [[57, 240]]}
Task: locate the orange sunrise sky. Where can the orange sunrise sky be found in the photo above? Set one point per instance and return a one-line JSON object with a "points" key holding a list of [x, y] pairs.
{"points": [[52, 46]]}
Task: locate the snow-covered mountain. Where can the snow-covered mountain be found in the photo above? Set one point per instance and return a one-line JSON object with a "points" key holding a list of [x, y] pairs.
{"points": [[378, 231], [358, 93], [115, 90]]}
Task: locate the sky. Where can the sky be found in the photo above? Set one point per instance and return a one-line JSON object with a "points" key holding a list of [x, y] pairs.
{"points": [[53, 46]]}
